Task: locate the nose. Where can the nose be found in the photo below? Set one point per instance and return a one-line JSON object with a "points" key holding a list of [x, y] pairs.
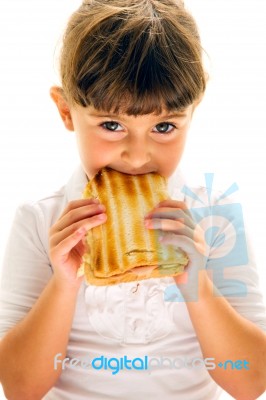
{"points": [[136, 153]]}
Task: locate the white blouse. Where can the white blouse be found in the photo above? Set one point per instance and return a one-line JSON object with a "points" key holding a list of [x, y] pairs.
{"points": [[132, 339]]}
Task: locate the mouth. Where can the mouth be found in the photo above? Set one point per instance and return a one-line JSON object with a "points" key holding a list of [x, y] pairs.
{"points": [[137, 172], [134, 171], [131, 171]]}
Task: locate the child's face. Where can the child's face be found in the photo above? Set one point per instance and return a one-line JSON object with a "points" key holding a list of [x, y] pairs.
{"points": [[133, 145]]}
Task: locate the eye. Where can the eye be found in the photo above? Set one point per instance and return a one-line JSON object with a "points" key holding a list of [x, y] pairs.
{"points": [[111, 126], [163, 127]]}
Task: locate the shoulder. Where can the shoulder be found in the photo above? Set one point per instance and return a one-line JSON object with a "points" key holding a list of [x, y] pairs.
{"points": [[186, 187], [43, 210], [37, 216], [48, 208]]}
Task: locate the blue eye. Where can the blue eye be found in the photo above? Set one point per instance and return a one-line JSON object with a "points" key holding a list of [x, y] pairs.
{"points": [[111, 126], [163, 127]]}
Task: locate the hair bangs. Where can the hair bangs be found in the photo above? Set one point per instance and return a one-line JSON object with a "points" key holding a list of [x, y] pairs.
{"points": [[134, 63], [135, 78]]}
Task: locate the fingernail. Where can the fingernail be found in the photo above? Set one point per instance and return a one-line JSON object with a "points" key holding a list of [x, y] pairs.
{"points": [[101, 216]]}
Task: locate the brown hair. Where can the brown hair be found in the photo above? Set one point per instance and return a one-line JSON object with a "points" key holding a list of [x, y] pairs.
{"points": [[132, 56]]}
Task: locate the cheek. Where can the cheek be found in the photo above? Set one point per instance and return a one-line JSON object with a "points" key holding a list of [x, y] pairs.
{"points": [[95, 152], [173, 151], [170, 157]]}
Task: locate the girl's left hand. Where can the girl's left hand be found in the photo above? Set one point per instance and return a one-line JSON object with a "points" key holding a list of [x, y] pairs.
{"points": [[178, 228]]}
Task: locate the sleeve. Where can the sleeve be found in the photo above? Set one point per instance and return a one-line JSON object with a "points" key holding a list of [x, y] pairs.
{"points": [[231, 262], [26, 269]]}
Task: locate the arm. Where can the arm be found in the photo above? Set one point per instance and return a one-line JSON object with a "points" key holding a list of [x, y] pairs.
{"points": [[29, 348], [229, 336], [223, 334]]}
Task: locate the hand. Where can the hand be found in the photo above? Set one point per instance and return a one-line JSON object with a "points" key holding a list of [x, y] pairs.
{"points": [[67, 238], [178, 228]]}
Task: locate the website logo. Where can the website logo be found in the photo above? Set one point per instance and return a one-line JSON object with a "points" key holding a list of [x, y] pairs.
{"points": [[145, 363], [225, 242]]}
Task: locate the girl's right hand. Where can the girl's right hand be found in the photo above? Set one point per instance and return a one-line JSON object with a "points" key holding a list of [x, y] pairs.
{"points": [[66, 239]]}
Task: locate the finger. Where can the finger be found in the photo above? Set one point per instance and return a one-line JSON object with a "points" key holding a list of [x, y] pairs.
{"points": [[172, 213], [72, 205], [89, 223], [188, 244], [169, 225], [78, 214], [172, 203], [66, 245]]}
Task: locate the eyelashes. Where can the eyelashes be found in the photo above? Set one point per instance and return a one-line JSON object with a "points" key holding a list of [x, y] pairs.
{"points": [[112, 126], [164, 124]]}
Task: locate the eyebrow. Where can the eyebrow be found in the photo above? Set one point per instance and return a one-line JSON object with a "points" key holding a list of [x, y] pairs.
{"points": [[115, 116]]}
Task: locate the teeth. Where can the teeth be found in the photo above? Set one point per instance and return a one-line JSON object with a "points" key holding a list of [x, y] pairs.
{"points": [[122, 249]]}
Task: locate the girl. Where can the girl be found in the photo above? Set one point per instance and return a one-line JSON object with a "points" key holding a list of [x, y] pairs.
{"points": [[132, 76]]}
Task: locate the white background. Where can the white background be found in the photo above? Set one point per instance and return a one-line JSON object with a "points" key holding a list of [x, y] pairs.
{"points": [[227, 136]]}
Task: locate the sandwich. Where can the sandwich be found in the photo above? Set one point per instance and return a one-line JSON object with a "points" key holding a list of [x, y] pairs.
{"points": [[122, 249]]}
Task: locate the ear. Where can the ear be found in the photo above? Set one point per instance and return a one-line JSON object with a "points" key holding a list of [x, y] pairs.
{"points": [[56, 94]]}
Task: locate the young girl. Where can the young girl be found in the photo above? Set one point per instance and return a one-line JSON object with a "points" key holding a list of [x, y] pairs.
{"points": [[132, 76]]}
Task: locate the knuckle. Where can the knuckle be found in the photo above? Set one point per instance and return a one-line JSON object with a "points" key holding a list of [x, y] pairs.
{"points": [[73, 228], [178, 214], [51, 242], [181, 225], [52, 234], [71, 205], [70, 215], [184, 208], [180, 204]]}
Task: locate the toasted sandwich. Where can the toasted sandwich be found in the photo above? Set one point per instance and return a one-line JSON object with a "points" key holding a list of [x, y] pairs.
{"points": [[122, 249]]}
